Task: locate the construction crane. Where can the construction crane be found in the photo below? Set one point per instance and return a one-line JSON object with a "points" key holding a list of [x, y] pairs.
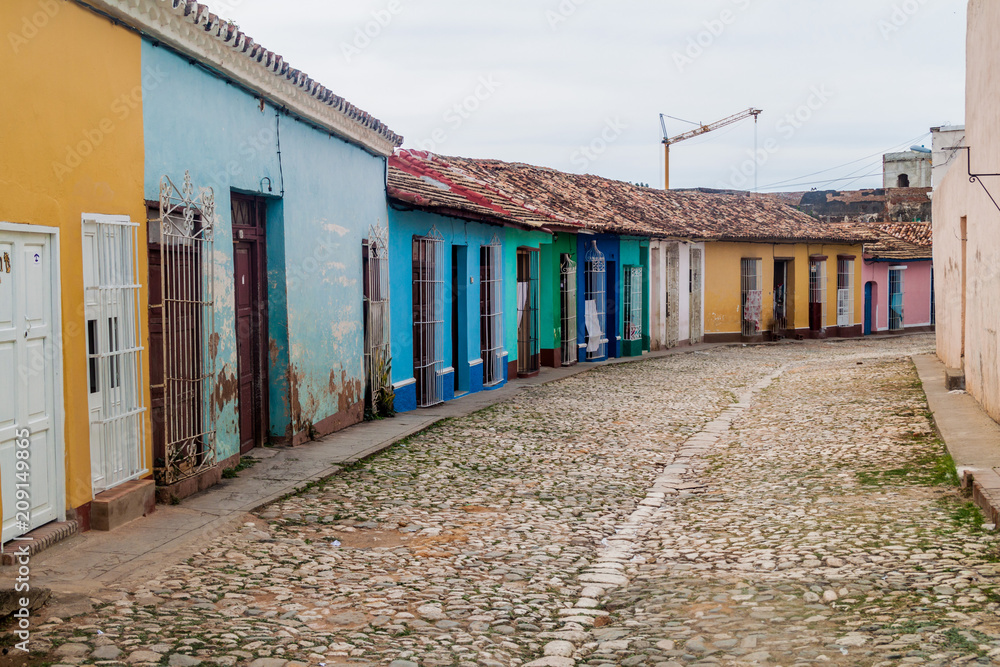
{"points": [[669, 141]]}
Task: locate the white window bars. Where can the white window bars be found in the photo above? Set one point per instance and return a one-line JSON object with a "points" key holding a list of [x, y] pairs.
{"points": [[752, 296], [378, 353], [633, 303], [845, 292], [595, 299], [528, 342], [491, 311], [817, 294], [567, 296], [428, 317], [112, 303], [186, 235], [895, 299]]}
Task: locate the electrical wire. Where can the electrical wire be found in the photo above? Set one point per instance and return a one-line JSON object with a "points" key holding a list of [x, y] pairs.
{"points": [[847, 164], [846, 178]]}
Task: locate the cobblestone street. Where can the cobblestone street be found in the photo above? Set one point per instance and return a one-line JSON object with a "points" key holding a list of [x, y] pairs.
{"points": [[781, 505]]}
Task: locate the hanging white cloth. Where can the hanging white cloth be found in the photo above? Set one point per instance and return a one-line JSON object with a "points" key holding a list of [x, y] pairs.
{"points": [[522, 299], [595, 337]]}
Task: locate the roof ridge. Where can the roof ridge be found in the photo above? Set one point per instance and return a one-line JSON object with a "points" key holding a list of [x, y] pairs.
{"points": [[229, 34], [192, 30]]}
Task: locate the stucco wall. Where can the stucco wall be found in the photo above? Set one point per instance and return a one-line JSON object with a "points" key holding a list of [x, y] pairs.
{"points": [[723, 308], [916, 292], [610, 247], [403, 226], [551, 260], [917, 166], [680, 297], [957, 198], [333, 193], [514, 239], [71, 143]]}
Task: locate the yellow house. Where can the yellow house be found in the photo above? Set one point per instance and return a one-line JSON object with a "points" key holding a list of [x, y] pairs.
{"points": [[73, 292], [785, 288]]}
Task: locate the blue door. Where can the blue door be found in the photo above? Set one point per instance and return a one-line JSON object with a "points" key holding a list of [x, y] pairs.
{"points": [[868, 309]]}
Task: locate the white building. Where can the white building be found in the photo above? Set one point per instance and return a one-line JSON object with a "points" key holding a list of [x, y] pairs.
{"points": [[944, 140], [909, 169]]}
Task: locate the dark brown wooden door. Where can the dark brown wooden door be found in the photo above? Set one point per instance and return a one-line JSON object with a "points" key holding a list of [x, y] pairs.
{"points": [[251, 319]]}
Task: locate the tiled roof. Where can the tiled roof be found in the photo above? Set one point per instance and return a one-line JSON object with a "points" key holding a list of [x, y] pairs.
{"points": [[229, 34], [897, 241], [192, 29], [537, 196], [916, 233]]}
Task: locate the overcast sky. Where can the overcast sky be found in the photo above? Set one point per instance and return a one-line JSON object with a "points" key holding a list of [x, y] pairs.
{"points": [[578, 85]]}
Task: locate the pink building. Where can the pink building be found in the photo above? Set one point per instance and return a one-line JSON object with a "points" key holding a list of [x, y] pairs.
{"points": [[898, 275]]}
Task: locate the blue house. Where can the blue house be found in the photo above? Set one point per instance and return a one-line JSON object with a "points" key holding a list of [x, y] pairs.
{"points": [[467, 301], [510, 269], [267, 251]]}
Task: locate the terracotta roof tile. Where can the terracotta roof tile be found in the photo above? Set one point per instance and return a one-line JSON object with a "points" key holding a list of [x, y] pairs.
{"points": [[899, 241], [533, 196]]}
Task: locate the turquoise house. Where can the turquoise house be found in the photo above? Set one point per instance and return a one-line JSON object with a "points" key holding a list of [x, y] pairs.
{"points": [[268, 259]]}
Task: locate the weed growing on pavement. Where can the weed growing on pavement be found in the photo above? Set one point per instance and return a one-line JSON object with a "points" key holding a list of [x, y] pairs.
{"points": [[934, 467], [966, 641]]}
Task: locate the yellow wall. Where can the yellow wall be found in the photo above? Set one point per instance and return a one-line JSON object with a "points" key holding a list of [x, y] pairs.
{"points": [[723, 275], [71, 142]]}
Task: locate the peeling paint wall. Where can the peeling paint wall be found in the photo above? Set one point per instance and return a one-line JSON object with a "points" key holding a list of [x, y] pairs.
{"points": [[333, 193], [968, 306], [670, 288]]}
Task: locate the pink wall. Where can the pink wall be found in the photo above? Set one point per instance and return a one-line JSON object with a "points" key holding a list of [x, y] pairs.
{"points": [[916, 292]]}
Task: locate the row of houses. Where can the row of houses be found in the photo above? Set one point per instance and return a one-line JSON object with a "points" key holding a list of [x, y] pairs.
{"points": [[204, 251]]}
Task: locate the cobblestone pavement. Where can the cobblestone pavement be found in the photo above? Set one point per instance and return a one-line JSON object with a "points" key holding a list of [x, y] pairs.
{"points": [[766, 505]]}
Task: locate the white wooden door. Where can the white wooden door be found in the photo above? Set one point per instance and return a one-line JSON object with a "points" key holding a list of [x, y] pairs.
{"points": [[30, 359]]}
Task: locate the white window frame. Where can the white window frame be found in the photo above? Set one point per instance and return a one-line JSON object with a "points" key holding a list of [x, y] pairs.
{"points": [[901, 271], [115, 297], [845, 295], [491, 312], [817, 290], [751, 282], [632, 292]]}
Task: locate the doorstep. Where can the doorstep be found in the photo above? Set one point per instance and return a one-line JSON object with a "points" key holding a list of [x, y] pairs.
{"points": [[126, 502], [39, 539], [985, 487]]}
